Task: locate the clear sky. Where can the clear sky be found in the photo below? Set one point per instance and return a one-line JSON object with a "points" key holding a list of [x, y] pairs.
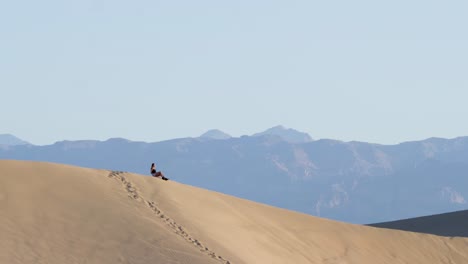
{"points": [[375, 71]]}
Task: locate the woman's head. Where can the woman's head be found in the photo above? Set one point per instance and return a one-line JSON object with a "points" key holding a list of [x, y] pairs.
{"points": [[152, 164]]}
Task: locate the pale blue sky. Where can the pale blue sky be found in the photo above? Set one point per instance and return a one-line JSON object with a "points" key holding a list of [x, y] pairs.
{"points": [[376, 71]]}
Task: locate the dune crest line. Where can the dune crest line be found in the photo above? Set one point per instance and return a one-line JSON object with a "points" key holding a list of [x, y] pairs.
{"points": [[178, 229]]}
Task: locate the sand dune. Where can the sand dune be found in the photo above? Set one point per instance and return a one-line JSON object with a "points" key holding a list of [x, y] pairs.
{"points": [[453, 224], [52, 213]]}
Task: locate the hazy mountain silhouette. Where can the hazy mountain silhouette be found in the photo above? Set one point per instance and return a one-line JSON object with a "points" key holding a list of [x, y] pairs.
{"points": [[350, 181], [215, 134], [10, 140], [288, 134]]}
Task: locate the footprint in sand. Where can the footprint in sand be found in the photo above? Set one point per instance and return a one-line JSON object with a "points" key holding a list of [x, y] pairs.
{"points": [[133, 193], [3, 197]]}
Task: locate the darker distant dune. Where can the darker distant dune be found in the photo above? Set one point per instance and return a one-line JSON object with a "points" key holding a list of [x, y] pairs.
{"points": [[453, 224]]}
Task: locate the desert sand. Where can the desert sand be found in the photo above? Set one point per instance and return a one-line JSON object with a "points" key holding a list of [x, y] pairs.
{"points": [[51, 213]]}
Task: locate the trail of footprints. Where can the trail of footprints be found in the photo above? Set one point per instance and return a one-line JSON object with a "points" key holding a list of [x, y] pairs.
{"points": [[179, 230]]}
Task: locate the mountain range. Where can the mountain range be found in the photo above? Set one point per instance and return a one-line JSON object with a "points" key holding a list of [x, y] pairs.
{"points": [[355, 182], [10, 140]]}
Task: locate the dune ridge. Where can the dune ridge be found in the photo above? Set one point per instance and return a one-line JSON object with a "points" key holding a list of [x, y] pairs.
{"points": [[53, 213]]}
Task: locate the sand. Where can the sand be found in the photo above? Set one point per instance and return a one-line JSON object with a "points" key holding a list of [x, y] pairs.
{"points": [[51, 213]]}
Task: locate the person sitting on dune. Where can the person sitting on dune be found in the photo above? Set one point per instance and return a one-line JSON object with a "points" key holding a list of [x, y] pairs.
{"points": [[157, 173]]}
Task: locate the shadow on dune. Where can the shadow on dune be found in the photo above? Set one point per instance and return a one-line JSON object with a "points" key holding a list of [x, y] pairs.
{"points": [[449, 224]]}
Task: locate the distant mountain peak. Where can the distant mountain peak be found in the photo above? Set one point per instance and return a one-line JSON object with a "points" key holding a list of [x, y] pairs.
{"points": [[118, 139], [10, 140], [288, 134], [277, 127], [215, 134]]}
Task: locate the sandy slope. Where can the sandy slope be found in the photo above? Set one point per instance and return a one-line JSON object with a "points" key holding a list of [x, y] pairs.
{"points": [[53, 213], [61, 214]]}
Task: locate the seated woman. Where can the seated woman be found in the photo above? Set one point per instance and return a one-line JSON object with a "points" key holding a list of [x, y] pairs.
{"points": [[157, 173]]}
